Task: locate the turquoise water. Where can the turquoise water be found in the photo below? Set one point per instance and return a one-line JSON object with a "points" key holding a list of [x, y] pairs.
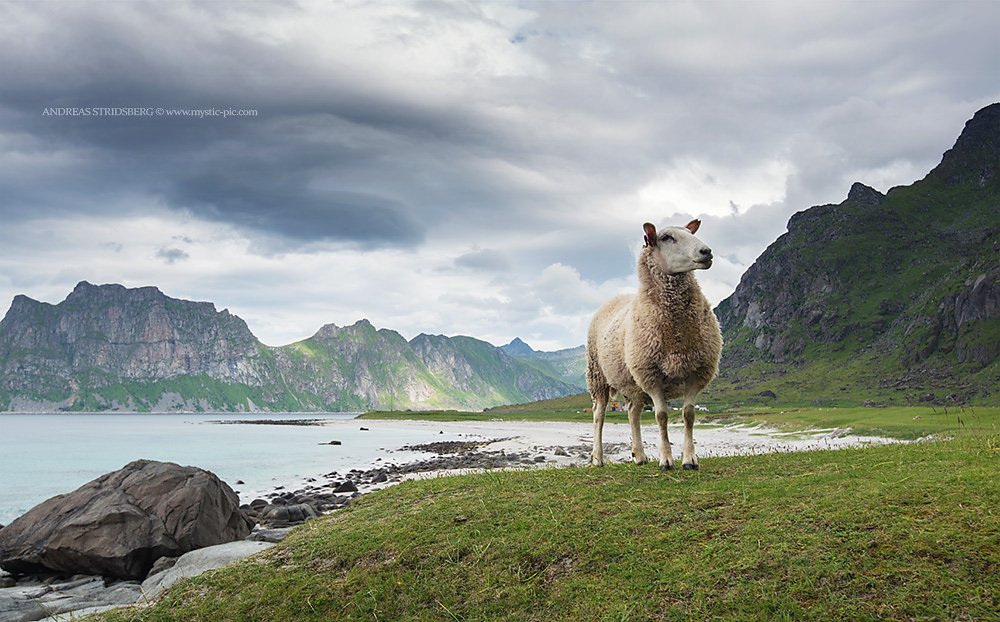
{"points": [[44, 455]]}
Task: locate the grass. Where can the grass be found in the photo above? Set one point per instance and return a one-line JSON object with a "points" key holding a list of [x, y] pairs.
{"points": [[903, 422], [883, 533], [571, 408]]}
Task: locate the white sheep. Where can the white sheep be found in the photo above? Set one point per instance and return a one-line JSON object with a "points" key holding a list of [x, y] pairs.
{"points": [[658, 345]]}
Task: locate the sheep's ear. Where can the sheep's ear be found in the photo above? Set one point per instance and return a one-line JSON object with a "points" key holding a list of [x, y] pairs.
{"points": [[693, 226], [650, 236]]}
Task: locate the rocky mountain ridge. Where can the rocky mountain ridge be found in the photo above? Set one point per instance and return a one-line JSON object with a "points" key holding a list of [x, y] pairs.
{"points": [[889, 297], [110, 348], [569, 365]]}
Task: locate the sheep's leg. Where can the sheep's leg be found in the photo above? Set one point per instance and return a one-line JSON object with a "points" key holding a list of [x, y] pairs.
{"points": [[600, 404], [666, 451], [634, 413], [690, 460]]}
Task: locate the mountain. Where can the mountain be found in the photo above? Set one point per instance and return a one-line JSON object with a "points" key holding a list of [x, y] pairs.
{"points": [[109, 348], [568, 365], [112, 348], [889, 298]]}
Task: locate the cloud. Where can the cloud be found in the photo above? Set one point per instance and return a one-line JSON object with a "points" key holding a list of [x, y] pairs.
{"points": [[172, 255], [481, 168], [487, 260]]}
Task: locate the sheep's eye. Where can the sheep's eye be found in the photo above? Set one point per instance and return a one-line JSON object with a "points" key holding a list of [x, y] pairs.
{"points": [[667, 236]]}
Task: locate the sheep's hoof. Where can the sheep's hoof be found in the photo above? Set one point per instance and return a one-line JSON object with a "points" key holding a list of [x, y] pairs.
{"points": [[597, 463], [690, 467], [642, 460], [666, 467]]}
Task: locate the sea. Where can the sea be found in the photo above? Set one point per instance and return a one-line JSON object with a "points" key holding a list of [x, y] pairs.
{"points": [[42, 455]]}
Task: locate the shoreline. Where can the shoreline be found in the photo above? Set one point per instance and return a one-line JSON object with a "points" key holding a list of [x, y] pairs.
{"points": [[543, 444]]}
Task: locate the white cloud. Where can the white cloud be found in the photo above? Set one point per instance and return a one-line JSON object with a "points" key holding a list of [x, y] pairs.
{"points": [[699, 187]]}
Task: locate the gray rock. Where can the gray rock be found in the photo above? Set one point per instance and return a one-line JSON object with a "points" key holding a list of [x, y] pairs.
{"points": [[347, 486], [52, 600], [15, 607], [77, 614], [196, 562], [120, 523], [287, 515], [270, 535], [161, 565]]}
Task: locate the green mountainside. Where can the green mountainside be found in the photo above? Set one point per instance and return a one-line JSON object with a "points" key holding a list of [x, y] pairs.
{"points": [[568, 365], [888, 298], [109, 348]]}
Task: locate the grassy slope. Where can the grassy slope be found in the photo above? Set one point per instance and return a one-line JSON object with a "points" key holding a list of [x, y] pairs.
{"points": [[896, 532]]}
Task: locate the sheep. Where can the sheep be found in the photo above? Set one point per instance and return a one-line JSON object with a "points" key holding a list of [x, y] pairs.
{"points": [[658, 345]]}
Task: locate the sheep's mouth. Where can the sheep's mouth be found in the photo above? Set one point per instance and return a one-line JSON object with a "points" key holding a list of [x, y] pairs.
{"points": [[705, 263]]}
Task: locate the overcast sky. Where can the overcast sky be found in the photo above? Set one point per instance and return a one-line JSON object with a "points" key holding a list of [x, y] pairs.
{"points": [[456, 168]]}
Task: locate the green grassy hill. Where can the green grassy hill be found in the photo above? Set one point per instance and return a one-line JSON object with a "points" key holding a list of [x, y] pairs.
{"points": [[884, 533]]}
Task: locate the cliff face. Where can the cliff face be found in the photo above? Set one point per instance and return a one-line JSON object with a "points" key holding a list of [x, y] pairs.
{"points": [[112, 348], [893, 297], [140, 334], [105, 347]]}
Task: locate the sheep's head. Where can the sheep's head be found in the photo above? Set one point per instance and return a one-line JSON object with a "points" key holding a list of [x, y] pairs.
{"points": [[676, 249]]}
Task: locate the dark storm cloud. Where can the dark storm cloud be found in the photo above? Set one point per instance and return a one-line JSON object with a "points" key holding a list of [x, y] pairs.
{"points": [[326, 157]]}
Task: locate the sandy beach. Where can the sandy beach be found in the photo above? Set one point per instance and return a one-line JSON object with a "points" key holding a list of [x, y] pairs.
{"points": [[569, 444]]}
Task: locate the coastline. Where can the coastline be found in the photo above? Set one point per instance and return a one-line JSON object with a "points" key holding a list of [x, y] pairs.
{"points": [[543, 444]]}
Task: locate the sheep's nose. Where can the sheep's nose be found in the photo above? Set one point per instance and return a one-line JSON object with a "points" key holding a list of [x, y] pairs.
{"points": [[706, 252]]}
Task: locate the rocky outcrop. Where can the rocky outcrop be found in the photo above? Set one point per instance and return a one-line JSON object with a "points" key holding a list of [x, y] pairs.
{"points": [[119, 524], [977, 303]]}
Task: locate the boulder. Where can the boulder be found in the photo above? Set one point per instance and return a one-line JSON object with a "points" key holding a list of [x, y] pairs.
{"points": [[287, 515], [120, 523], [347, 486]]}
